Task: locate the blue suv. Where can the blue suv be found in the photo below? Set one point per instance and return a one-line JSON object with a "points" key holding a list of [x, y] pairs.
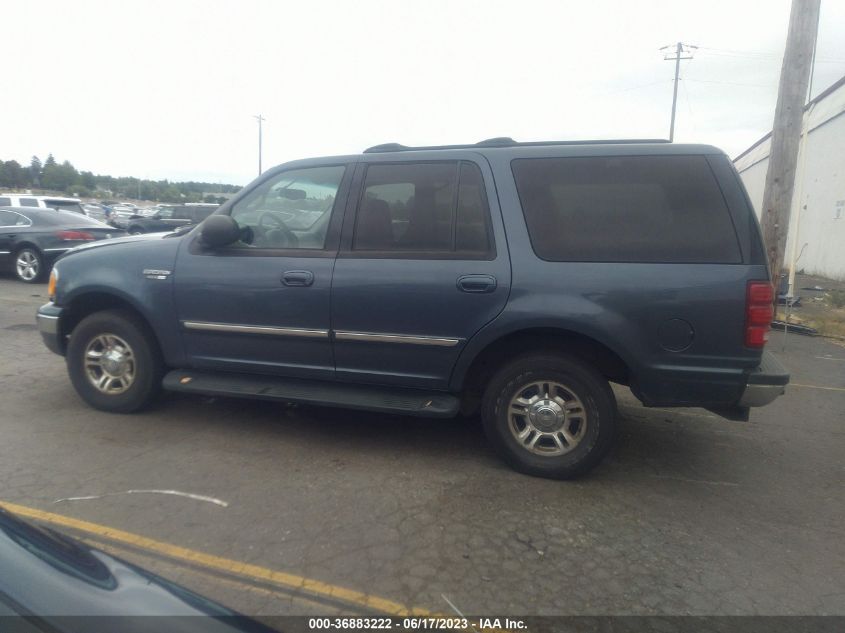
{"points": [[512, 279]]}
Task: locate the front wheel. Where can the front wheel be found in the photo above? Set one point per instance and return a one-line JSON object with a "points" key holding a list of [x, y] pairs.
{"points": [[114, 362], [549, 416]]}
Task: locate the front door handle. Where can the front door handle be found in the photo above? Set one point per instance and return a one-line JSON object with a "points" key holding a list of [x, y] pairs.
{"points": [[476, 283], [298, 278]]}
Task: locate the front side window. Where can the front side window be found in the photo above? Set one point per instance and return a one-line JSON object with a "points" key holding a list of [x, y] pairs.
{"points": [[649, 209], [29, 202], [291, 210], [5, 202], [439, 208]]}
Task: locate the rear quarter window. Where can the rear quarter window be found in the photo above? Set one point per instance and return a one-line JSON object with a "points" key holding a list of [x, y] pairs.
{"points": [[650, 209], [54, 217]]}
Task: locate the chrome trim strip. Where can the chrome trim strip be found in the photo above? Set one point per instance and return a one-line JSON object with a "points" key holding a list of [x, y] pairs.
{"points": [[255, 329], [47, 324], [396, 338], [55, 250], [4, 252]]}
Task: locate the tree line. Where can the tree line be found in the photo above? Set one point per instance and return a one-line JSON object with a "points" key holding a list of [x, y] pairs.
{"points": [[63, 177]]}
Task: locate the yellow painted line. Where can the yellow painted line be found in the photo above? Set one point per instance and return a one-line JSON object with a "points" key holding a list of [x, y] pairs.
{"points": [[798, 384], [228, 565]]}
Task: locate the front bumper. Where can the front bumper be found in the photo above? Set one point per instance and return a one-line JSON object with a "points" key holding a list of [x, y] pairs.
{"points": [[766, 382], [48, 319]]}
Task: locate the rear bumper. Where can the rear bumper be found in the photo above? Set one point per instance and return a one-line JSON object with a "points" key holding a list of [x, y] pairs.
{"points": [[766, 382], [48, 320]]}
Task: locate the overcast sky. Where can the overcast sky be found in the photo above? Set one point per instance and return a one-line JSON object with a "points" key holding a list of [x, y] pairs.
{"points": [[168, 89]]}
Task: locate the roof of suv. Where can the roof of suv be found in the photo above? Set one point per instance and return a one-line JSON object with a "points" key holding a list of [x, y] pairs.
{"points": [[535, 149], [608, 146]]}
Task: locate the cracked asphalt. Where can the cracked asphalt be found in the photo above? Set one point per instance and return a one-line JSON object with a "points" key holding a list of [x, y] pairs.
{"points": [[690, 514]]}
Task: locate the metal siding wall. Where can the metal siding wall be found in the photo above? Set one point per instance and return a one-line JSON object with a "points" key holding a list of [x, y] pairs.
{"points": [[824, 185]]}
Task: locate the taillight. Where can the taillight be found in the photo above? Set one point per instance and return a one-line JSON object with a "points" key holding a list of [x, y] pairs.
{"points": [[76, 236], [759, 312]]}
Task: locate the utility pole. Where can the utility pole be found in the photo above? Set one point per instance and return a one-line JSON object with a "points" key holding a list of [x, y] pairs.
{"points": [[680, 49], [260, 120], [786, 131]]}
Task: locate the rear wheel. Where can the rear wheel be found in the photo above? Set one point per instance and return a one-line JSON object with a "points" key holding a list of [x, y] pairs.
{"points": [[29, 265], [549, 415], [114, 362], [135, 231]]}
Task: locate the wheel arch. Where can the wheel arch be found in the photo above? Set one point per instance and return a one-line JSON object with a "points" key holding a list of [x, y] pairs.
{"points": [[472, 375], [27, 243], [85, 304]]}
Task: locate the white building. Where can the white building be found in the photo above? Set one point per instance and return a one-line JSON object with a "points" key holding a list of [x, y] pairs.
{"points": [[818, 202]]}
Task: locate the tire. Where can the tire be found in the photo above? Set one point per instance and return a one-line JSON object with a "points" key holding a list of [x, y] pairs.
{"points": [[569, 439], [135, 231], [28, 265], [130, 381]]}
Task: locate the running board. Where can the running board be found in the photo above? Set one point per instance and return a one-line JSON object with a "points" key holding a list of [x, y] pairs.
{"points": [[323, 393]]}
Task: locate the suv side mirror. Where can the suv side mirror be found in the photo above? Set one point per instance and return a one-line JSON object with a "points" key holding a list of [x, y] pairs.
{"points": [[219, 230]]}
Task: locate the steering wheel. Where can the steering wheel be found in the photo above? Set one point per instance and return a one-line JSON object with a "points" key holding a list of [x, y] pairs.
{"points": [[271, 221]]}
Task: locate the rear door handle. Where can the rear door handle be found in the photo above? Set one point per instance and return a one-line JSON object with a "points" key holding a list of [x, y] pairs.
{"points": [[298, 278], [476, 283]]}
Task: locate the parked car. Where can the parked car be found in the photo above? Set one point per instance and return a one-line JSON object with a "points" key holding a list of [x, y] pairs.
{"points": [[52, 582], [44, 202], [169, 217], [32, 238], [518, 279], [120, 214], [96, 211]]}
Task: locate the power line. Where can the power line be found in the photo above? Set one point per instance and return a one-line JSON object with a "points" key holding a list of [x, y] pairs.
{"points": [[760, 55], [729, 83], [637, 87]]}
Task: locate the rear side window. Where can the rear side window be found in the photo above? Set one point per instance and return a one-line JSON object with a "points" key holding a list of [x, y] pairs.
{"points": [[5, 202], [29, 202], [65, 205], [439, 208], [650, 209], [10, 218]]}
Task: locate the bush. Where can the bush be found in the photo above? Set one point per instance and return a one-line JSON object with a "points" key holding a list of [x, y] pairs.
{"points": [[837, 298]]}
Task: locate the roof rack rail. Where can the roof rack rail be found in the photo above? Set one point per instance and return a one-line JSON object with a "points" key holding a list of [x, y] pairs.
{"points": [[499, 141], [387, 147], [506, 141]]}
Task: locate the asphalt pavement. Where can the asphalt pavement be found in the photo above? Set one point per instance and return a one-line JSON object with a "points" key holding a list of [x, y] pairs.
{"points": [[314, 510]]}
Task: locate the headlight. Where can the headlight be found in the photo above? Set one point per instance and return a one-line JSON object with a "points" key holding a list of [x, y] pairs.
{"points": [[51, 286]]}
